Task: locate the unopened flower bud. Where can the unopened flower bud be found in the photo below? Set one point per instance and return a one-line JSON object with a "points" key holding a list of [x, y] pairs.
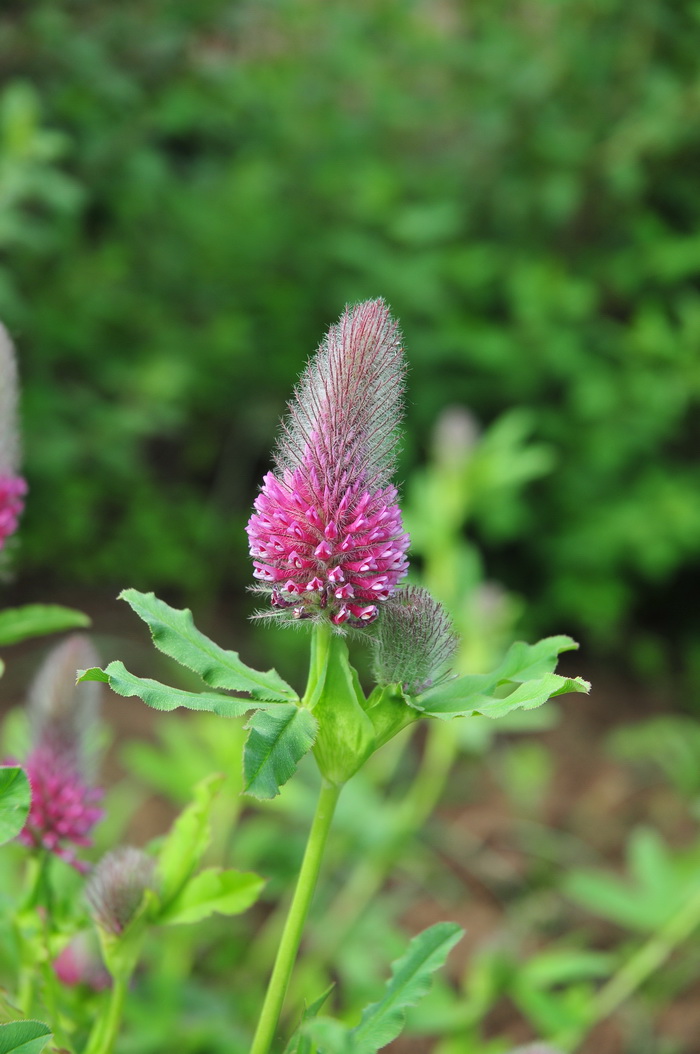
{"points": [[414, 641], [117, 885], [63, 714]]}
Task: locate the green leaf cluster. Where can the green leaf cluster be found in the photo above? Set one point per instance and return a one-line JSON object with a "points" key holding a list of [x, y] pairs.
{"points": [[281, 731], [181, 893]]}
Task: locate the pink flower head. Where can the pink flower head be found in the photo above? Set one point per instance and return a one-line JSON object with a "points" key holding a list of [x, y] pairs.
{"points": [[64, 808], [62, 716], [326, 536], [12, 486]]}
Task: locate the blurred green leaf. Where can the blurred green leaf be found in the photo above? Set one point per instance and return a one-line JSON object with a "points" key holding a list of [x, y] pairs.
{"points": [[298, 1042], [15, 799], [24, 1037], [212, 891], [187, 841], [36, 620]]}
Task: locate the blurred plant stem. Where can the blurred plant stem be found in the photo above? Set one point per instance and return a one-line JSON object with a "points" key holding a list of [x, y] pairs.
{"points": [[106, 1029], [370, 874], [294, 925], [637, 970]]}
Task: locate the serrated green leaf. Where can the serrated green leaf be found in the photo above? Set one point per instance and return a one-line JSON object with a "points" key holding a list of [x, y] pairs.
{"points": [[186, 841], [410, 980], [278, 740], [526, 670], [299, 1043], [213, 891], [24, 1037], [175, 634], [382, 1022], [15, 799], [36, 620], [163, 697]]}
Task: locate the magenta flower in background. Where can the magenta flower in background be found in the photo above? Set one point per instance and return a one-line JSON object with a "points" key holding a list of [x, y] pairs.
{"points": [[326, 536], [63, 719], [12, 486]]}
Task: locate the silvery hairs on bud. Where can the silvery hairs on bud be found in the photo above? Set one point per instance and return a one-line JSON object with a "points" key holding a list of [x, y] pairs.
{"points": [[116, 887], [346, 409], [64, 715], [414, 641], [9, 435]]}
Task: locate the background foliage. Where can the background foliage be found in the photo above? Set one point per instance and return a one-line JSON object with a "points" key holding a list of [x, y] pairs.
{"points": [[189, 193]]}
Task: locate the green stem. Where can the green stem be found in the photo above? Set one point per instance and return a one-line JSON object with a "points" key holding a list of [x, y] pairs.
{"points": [[293, 928], [636, 970], [106, 1030]]}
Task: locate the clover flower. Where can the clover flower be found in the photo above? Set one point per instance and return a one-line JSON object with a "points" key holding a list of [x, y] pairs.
{"points": [[326, 537], [116, 887], [64, 806], [414, 642], [12, 486]]}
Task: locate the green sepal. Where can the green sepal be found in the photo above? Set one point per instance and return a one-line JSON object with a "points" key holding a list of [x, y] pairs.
{"points": [[298, 1042], [278, 739], [524, 679], [345, 736], [36, 620], [175, 634], [122, 951], [24, 1037], [15, 799], [389, 710], [163, 697], [212, 891], [186, 842]]}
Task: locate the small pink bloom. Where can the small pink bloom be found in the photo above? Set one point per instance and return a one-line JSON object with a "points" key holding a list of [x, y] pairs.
{"points": [[62, 715], [327, 527], [64, 808]]}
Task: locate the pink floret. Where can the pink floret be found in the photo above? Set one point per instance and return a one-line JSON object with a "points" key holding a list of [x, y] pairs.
{"points": [[12, 491], [341, 551]]}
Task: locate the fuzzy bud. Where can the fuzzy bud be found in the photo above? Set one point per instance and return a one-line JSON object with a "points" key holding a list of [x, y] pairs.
{"points": [[414, 641], [326, 536], [117, 885], [64, 715], [12, 486]]}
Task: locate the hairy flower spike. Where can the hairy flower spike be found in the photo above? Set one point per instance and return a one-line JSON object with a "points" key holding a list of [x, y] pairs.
{"points": [[326, 536], [64, 806], [12, 486], [414, 641], [117, 885]]}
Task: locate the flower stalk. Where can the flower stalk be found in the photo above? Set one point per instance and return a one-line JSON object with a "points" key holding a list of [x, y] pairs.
{"points": [[296, 919]]}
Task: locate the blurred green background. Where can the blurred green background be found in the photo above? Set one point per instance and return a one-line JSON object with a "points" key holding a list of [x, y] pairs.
{"points": [[190, 192]]}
